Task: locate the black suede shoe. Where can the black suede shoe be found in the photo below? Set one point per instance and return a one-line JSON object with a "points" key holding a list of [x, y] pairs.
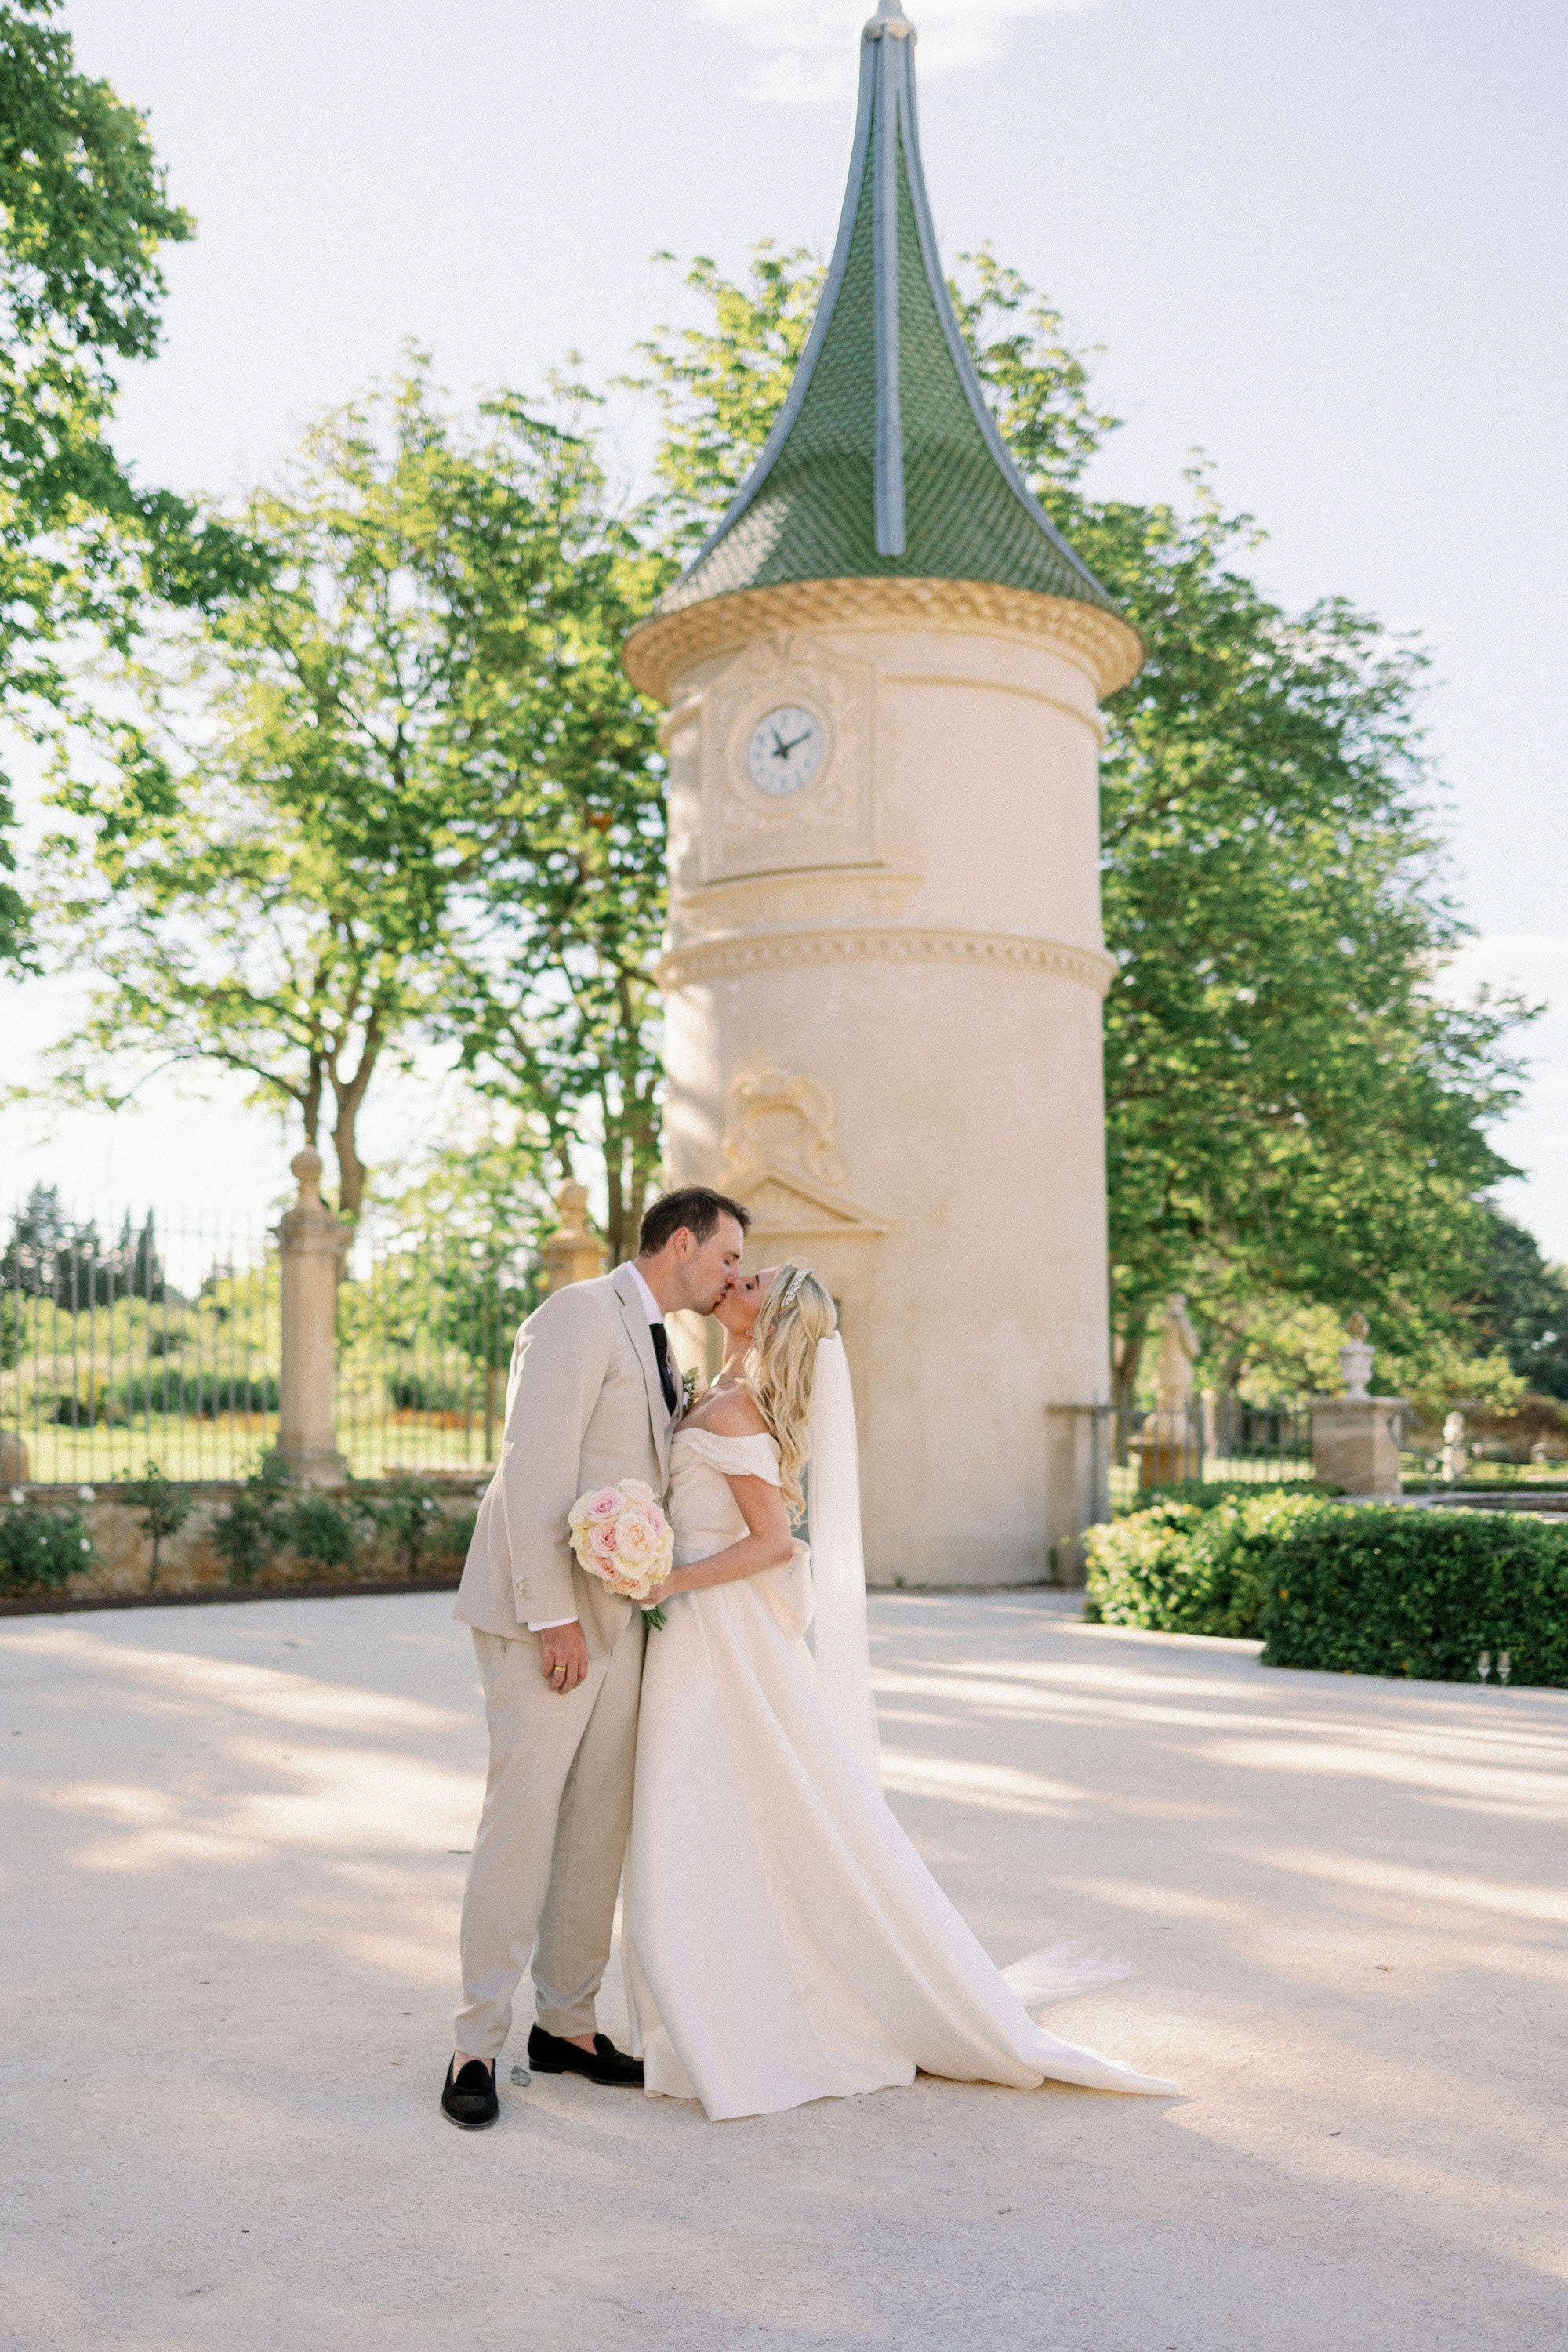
{"points": [[548, 2054], [470, 2102]]}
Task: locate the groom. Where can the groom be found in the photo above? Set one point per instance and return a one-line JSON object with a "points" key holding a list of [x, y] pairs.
{"points": [[592, 1398]]}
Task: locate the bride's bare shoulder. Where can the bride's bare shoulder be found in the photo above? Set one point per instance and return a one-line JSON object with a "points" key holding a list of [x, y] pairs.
{"points": [[734, 1415]]}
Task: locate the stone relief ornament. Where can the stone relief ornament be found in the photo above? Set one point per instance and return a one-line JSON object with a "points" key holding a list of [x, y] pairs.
{"points": [[787, 760], [780, 1156]]}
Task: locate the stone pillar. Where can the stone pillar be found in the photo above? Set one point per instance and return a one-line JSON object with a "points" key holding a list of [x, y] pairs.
{"points": [[313, 1243], [1355, 1438], [1077, 1485], [573, 1252], [15, 1470], [1355, 1443]]}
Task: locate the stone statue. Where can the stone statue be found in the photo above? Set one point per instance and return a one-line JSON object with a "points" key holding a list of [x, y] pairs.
{"points": [[1454, 1451], [1178, 1354], [1170, 1445]]}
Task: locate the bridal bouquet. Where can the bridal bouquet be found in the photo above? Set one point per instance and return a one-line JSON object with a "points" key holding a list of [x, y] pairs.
{"points": [[620, 1534]]}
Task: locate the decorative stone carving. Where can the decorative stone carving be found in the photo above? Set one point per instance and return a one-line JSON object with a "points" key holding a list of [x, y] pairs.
{"points": [[314, 1245], [1103, 644], [718, 959], [1171, 1441], [1356, 1356], [780, 1157], [1455, 1453], [1178, 1354], [573, 1252], [831, 820]]}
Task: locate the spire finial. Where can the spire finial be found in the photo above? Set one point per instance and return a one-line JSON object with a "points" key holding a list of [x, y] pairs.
{"points": [[889, 18]]}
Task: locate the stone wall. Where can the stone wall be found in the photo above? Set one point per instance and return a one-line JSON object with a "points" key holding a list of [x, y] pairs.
{"points": [[189, 1562]]}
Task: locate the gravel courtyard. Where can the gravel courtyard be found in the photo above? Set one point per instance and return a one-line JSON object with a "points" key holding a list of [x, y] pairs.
{"points": [[231, 1862]]}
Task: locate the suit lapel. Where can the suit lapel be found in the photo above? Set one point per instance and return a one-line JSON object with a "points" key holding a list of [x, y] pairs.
{"points": [[634, 1317]]}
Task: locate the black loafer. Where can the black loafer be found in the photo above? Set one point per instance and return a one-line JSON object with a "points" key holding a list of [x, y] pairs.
{"points": [[470, 2102], [549, 2054]]}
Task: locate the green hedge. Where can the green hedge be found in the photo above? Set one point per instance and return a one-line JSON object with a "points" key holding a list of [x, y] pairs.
{"points": [[1208, 1493], [1347, 1590], [1421, 1593], [1194, 1566]]}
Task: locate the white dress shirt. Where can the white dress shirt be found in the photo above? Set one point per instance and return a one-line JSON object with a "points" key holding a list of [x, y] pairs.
{"points": [[655, 1313]]}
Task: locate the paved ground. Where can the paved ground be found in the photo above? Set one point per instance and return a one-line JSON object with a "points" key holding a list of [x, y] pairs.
{"points": [[229, 1901]]}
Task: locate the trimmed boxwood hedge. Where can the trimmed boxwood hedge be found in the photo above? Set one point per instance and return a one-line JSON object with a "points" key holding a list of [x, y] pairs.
{"points": [[1421, 1593], [1198, 1567], [1347, 1590]]}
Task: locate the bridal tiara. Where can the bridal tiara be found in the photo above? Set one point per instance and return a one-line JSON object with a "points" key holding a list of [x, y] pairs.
{"points": [[796, 1280]]}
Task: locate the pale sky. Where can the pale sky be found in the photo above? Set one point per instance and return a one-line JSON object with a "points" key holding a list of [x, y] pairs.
{"points": [[1325, 243]]}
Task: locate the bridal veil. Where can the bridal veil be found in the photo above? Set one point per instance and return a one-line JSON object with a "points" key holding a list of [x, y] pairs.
{"points": [[840, 1642]]}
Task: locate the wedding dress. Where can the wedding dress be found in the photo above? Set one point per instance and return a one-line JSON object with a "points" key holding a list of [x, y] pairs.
{"points": [[783, 1939]]}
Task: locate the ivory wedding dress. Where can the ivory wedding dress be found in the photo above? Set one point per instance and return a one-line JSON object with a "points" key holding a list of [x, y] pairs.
{"points": [[785, 1941]]}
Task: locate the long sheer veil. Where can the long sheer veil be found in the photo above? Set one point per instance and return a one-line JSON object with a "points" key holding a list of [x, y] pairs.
{"points": [[840, 1641]]}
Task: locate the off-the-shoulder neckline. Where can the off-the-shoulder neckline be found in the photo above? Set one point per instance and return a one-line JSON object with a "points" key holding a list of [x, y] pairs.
{"points": [[718, 1437]]}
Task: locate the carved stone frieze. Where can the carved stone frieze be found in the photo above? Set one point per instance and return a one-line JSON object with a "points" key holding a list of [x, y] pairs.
{"points": [[720, 959], [1105, 647]]}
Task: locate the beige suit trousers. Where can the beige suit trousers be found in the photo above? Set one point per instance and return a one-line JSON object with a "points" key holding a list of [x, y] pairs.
{"points": [[551, 1837]]}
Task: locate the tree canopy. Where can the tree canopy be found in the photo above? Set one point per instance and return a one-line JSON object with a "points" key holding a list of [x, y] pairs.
{"points": [[401, 791], [84, 213]]}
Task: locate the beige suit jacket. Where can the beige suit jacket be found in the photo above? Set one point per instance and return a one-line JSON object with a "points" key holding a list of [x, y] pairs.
{"points": [[583, 1408]]}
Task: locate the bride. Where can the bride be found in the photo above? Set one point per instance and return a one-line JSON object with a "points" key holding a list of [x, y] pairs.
{"points": [[785, 1941]]}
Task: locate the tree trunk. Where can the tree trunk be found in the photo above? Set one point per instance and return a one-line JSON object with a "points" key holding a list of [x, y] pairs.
{"points": [[350, 1098]]}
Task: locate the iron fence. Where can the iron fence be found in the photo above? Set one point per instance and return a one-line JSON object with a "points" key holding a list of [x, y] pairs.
{"points": [[163, 1345], [1134, 1447], [426, 1325]]}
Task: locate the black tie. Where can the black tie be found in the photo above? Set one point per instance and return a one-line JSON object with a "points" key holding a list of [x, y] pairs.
{"points": [[666, 1373]]}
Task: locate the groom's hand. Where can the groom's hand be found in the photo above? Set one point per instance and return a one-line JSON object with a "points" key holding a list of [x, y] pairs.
{"points": [[563, 1656]]}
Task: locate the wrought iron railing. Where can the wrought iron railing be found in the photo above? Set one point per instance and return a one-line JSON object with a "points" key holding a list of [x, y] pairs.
{"points": [[1130, 1449], [163, 1344]]}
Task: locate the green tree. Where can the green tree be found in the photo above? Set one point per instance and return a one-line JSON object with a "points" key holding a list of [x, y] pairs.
{"points": [[1293, 1109], [84, 212], [388, 794], [1520, 1306]]}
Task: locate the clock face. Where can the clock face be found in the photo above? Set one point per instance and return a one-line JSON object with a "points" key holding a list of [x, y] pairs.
{"points": [[785, 750]]}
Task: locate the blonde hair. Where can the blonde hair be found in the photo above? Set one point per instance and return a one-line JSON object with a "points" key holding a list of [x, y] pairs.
{"points": [[796, 1313]]}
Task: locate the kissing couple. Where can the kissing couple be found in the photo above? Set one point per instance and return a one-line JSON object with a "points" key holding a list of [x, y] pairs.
{"points": [[782, 1940]]}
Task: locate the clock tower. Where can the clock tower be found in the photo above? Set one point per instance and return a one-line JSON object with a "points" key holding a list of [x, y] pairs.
{"points": [[885, 967]]}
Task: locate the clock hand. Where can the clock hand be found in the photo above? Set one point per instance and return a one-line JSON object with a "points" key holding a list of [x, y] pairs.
{"points": [[785, 749]]}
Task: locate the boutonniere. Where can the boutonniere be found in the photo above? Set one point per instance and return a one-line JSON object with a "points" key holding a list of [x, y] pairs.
{"points": [[687, 1389]]}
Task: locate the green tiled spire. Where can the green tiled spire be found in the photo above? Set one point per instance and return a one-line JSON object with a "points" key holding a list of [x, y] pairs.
{"points": [[885, 461]]}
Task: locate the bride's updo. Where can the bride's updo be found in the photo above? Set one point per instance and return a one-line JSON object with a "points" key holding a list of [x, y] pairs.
{"points": [[796, 1313]]}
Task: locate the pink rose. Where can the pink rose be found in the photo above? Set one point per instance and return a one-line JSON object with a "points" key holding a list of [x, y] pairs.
{"points": [[603, 1504], [603, 1541], [637, 1543]]}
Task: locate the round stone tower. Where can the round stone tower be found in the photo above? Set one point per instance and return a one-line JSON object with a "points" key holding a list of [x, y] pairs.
{"points": [[886, 965]]}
